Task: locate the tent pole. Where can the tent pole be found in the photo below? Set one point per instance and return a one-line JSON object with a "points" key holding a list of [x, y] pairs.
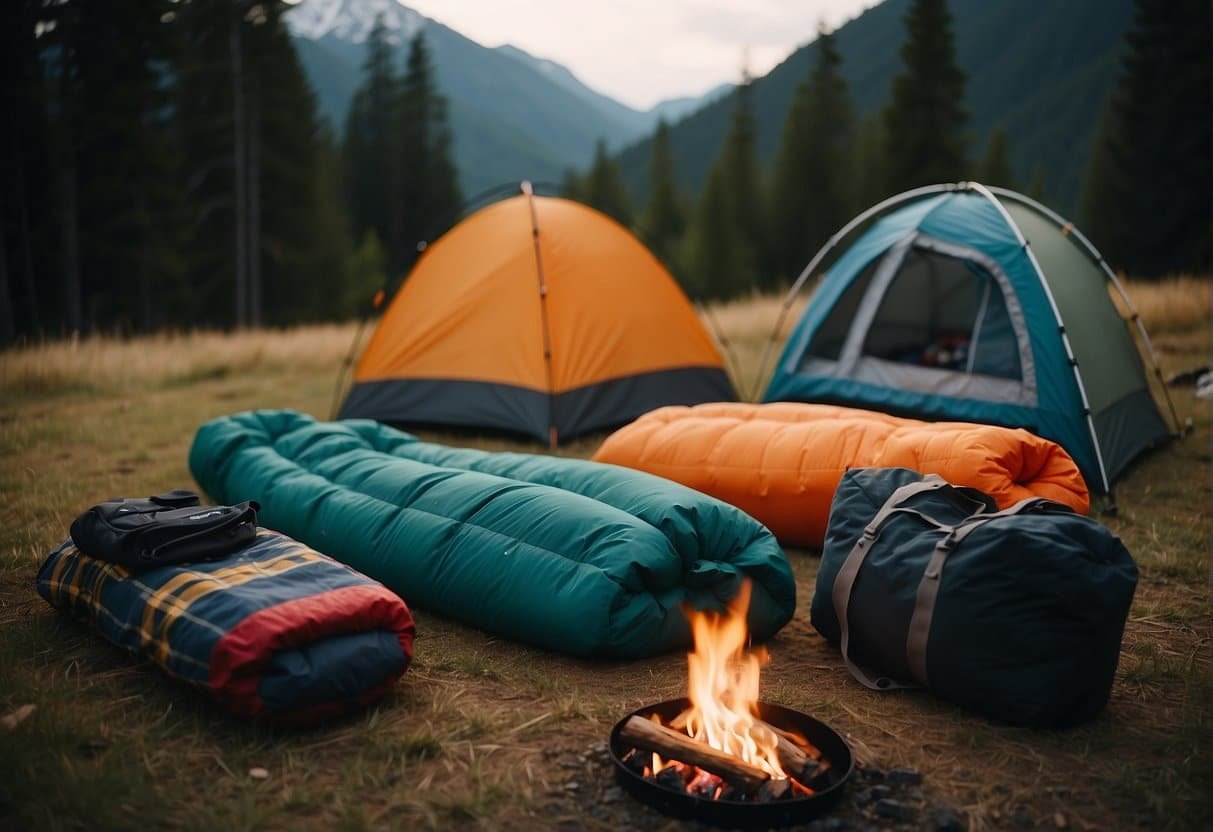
{"points": [[808, 270], [376, 302], [1095, 255], [553, 436], [705, 313], [1061, 327]]}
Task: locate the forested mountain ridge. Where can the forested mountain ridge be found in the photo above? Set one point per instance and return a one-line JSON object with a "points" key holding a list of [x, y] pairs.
{"points": [[1040, 70], [513, 115]]}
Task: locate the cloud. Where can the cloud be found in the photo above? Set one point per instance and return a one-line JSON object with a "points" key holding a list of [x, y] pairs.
{"points": [[642, 51]]}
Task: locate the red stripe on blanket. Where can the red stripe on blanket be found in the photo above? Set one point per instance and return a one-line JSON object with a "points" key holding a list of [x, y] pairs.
{"points": [[239, 657]]}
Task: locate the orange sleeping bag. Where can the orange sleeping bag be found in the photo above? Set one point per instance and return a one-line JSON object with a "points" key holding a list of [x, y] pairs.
{"points": [[781, 462]]}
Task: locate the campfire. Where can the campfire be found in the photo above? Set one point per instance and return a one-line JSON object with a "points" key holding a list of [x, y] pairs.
{"points": [[721, 745]]}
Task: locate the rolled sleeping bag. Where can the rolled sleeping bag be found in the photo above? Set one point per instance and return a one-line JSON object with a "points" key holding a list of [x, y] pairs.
{"points": [[274, 630], [781, 462], [565, 554]]}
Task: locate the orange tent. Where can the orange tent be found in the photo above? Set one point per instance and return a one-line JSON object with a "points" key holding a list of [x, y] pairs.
{"points": [[540, 316]]}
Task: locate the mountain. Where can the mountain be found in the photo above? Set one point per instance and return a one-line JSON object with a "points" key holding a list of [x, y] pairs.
{"points": [[675, 109], [1041, 70], [514, 116], [641, 121]]}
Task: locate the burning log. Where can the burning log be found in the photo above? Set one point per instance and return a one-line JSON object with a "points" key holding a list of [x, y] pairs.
{"points": [[773, 790], [650, 736], [795, 760]]}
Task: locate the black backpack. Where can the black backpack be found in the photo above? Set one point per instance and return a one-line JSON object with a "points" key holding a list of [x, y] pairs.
{"points": [[165, 529], [1017, 614]]}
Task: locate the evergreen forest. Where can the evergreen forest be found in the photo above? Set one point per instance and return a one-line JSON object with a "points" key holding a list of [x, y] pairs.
{"points": [[164, 165]]}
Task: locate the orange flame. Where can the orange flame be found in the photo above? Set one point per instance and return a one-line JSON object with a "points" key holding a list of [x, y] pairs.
{"points": [[723, 689]]}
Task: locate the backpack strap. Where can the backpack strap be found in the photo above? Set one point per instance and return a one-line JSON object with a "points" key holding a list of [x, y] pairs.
{"points": [[844, 582], [928, 587]]}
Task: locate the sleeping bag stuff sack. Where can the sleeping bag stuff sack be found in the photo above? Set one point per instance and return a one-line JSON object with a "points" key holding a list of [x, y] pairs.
{"points": [[273, 630], [781, 462], [1016, 613], [566, 554]]}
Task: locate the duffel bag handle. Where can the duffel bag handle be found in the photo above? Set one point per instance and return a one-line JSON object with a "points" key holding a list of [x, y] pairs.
{"points": [[844, 583], [928, 587]]}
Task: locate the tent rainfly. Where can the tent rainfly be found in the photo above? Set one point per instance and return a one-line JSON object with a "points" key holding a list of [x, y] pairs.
{"points": [[979, 304], [536, 316]]}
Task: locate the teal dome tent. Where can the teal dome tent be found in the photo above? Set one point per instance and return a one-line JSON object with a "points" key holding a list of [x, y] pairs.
{"points": [[962, 302]]}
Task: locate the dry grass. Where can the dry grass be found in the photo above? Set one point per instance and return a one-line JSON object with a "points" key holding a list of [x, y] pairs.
{"points": [[1177, 304], [104, 363], [476, 731]]}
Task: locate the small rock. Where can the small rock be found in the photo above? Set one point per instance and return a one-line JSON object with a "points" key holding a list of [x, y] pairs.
{"points": [[946, 820], [92, 748], [1059, 820], [612, 795], [829, 825], [896, 810], [599, 811], [904, 777], [572, 786], [600, 748], [863, 798], [258, 773], [870, 773], [15, 717], [569, 764], [879, 792], [1060, 791]]}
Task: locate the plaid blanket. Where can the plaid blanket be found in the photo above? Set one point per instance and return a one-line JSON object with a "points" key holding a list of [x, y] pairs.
{"points": [[274, 630]]}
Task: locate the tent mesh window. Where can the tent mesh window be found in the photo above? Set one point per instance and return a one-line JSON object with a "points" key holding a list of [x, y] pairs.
{"points": [[828, 341], [947, 313]]}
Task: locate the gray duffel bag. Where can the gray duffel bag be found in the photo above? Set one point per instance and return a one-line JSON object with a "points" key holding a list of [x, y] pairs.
{"points": [[1016, 614]]}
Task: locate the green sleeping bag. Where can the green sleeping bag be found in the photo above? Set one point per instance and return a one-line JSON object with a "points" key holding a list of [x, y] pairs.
{"points": [[576, 556]]}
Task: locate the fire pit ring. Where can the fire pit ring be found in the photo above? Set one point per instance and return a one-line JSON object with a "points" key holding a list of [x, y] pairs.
{"points": [[737, 813]]}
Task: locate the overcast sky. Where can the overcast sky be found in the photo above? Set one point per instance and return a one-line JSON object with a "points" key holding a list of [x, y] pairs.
{"points": [[643, 51]]}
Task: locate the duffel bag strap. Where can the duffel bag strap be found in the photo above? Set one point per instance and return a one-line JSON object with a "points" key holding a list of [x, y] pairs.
{"points": [[844, 583], [928, 587]]}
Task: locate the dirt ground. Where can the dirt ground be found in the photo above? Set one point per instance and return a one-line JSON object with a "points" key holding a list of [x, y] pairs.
{"points": [[484, 733]]}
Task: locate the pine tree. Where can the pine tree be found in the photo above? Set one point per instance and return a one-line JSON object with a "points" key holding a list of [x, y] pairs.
{"points": [[301, 245], [371, 153], [24, 207], [720, 258], [427, 196], [811, 185], [746, 190], [203, 132], [729, 251], [108, 126], [869, 165], [995, 166], [925, 117], [274, 217], [1036, 185], [366, 272], [1145, 200], [572, 185], [604, 188], [663, 220]]}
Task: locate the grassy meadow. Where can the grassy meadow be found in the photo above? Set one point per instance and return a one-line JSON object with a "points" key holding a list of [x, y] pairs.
{"points": [[480, 730]]}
